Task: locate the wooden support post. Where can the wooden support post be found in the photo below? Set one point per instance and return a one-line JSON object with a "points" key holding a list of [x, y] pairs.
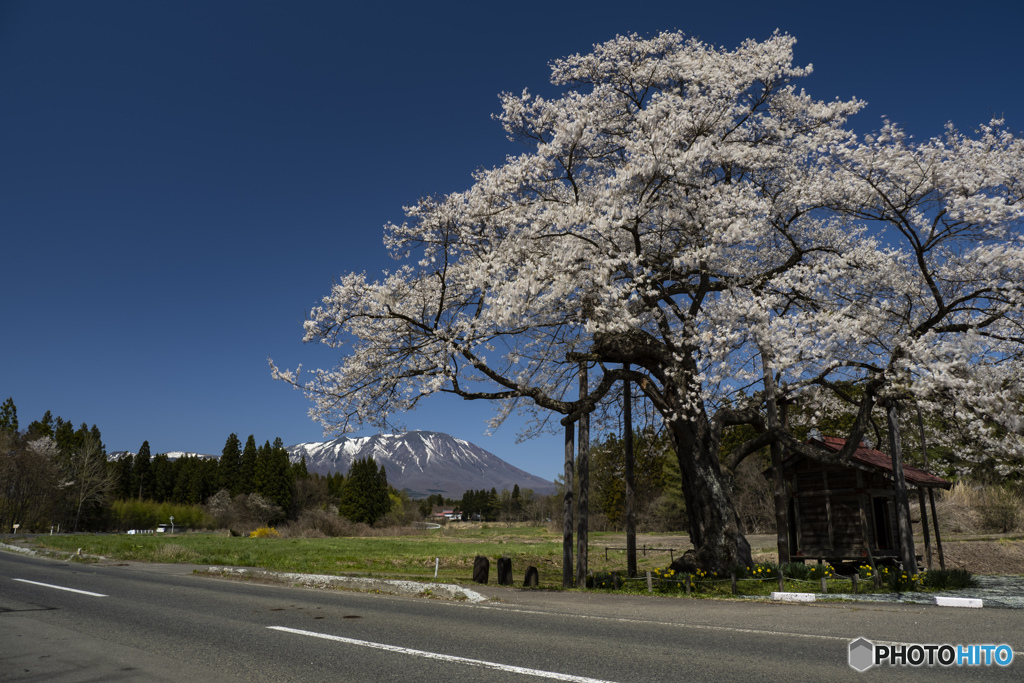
{"points": [[650, 584], [924, 526], [782, 581], [938, 538], [583, 470], [567, 508], [779, 492], [627, 426], [908, 558], [854, 580], [824, 585], [687, 584], [732, 576], [864, 521]]}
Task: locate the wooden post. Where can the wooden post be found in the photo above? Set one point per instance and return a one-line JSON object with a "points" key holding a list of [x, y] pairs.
{"points": [[583, 470], [567, 508], [938, 539], [687, 584], [906, 533], [864, 521], [650, 584], [732, 576], [779, 493], [782, 581], [924, 526], [627, 426], [854, 579], [824, 586]]}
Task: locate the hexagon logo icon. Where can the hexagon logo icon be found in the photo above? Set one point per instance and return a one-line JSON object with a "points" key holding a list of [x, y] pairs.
{"points": [[862, 654]]}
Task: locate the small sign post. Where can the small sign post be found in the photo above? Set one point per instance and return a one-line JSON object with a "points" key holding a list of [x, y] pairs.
{"points": [[172, 524]]}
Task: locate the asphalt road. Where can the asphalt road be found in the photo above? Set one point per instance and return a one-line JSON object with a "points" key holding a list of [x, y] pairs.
{"points": [[161, 623]]}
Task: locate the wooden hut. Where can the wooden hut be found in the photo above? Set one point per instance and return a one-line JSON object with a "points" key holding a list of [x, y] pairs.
{"points": [[848, 514]]}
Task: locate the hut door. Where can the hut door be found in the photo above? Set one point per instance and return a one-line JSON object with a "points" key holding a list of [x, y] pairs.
{"points": [[883, 523]]}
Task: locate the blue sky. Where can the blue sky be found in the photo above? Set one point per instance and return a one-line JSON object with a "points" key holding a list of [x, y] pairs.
{"points": [[180, 182]]}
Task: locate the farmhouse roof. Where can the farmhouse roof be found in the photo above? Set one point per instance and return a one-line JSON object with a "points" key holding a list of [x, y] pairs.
{"points": [[876, 459]]}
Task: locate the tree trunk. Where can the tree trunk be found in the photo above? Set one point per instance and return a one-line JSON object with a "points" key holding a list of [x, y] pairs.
{"points": [[906, 531], [714, 525]]}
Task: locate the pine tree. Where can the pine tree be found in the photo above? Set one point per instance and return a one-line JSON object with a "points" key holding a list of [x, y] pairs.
{"points": [[123, 476], [40, 428], [140, 471], [274, 477], [365, 493], [247, 483], [161, 477], [229, 467], [9, 417]]}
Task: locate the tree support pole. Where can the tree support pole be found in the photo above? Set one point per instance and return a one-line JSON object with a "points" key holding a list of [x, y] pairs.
{"points": [[924, 526], [906, 531], [781, 501], [627, 418], [567, 508], [583, 470]]}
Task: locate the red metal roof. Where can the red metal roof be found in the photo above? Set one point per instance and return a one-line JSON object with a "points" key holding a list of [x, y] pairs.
{"points": [[879, 460]]}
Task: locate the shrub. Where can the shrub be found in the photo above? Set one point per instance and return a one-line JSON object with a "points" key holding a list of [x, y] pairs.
{"points": [[1000, 509], [265, 532], [796, 570], [952, 579]]}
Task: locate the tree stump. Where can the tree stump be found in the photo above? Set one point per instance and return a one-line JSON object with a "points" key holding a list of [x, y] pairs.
{"points": [[504, 571], [481, 568], [532, 579]]}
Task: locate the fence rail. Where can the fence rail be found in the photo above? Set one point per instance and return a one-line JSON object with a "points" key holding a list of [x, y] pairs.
{"points": [[644, 549]]}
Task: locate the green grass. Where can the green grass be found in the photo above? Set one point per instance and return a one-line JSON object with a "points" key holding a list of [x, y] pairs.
{"points": [[411, 556]]}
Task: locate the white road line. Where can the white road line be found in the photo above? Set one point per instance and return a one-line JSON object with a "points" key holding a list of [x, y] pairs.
{"points": [[62, 588], [702, 627], [445, 658]]}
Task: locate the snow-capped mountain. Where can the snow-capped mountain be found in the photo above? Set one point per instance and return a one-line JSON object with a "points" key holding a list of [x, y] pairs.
{"points": [[421, 462], [117, 455]]}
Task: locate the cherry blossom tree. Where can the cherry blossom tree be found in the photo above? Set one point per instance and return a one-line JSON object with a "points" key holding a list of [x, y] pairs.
{"points": [[681, 210]]}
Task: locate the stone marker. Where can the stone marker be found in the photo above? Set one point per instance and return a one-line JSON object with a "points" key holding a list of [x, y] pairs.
{"points": [[504, 571], [532, 579], [481, 568]]}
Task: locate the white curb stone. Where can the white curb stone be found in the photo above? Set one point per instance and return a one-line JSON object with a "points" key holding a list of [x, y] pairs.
{"points": [[958, 602], [793, 597], [445, 590]]}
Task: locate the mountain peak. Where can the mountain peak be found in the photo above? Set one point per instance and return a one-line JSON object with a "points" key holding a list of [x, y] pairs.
{"points": [[422, 462]]}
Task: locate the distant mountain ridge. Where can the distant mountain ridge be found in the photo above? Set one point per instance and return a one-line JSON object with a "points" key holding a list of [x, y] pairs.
{"points": [[421, 462]]}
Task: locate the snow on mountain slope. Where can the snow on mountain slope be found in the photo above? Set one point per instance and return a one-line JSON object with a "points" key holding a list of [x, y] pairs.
{"points": [[421, 462]]}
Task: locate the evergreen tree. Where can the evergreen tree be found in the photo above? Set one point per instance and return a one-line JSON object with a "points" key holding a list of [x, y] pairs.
{"points": [[299, 469], [140, 471], [123, 476], [230, 465], [41, 428], [9, 417], [365, 493], [248, 474], [335, 484], [161, 476], [274, 477]]}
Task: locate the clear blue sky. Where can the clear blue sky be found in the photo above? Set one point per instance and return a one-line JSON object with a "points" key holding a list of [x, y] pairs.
{"points": [[180, 181]]}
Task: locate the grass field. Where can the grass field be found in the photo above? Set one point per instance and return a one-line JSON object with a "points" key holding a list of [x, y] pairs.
{"points": [[411, 556]]}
